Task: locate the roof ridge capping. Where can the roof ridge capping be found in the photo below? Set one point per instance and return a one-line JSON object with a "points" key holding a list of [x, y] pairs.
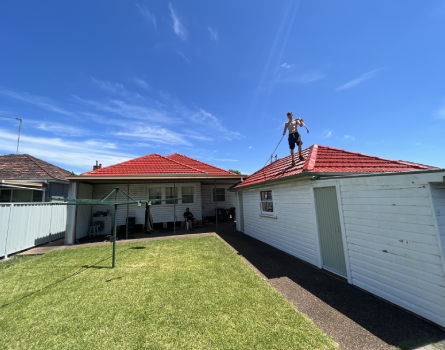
{"points": [[188, 166], [213, 166], [420, 166], [311, 158]]}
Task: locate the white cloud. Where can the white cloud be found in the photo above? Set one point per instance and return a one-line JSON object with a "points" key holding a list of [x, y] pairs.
{"points": [[286, 65], [110, 87], [226, 160], [204, 118], [213, 34], [250, 147], [357, 81], [146, 13], [441, 113], [326, 134], [349, 137], [178, 28], [154, 134], [71, 155], [39, 101], [142, 83], [60, 129], [184, 57]]}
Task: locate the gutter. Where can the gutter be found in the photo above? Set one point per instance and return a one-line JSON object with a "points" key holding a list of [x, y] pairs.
{"points": [[326, 176]]}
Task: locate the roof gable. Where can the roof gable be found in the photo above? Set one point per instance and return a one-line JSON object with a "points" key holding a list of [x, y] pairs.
{"points": [[25, 166], [319, 158]]}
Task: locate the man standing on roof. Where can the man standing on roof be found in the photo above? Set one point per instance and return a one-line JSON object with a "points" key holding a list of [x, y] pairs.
{"points": [[294, 136]]}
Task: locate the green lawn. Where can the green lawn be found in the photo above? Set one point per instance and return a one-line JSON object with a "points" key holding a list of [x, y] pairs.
{"points": [[190, 293]]}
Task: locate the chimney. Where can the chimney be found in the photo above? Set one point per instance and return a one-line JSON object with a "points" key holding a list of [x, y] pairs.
{"points": [[95, 167], [100, 166]]}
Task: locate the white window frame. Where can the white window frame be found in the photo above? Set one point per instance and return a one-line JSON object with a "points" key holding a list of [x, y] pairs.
{"points": [[273, 213], [155, 186], [225, 194], [178, 186]]}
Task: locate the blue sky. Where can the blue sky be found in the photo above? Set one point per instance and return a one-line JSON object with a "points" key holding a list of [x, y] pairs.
{"points": [[114, 80]]}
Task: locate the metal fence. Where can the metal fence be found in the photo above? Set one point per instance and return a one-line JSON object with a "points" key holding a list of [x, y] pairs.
{"points": [[25, 225]]}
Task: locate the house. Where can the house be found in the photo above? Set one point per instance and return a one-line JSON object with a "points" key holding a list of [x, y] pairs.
{"points": [[202, 187], [24, 178], [378, 223]]}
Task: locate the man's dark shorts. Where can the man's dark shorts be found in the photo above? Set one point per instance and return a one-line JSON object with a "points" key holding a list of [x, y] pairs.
{"points": [[293, 139]]}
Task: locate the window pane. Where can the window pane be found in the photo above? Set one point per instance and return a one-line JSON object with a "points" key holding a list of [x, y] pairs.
{"points": [[155, 193], [5, 196], [187, 194], [220, 194], [267, 206], [169, 194], [266, 195], [37, 196], [22, 196]]}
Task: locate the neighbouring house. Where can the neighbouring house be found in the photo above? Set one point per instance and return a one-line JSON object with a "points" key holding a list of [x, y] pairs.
{"points": [[24, 178], [202, 187], [378, 223]]}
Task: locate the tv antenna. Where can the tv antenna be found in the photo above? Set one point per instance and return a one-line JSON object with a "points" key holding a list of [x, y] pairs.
{"points": [[20, 128]]}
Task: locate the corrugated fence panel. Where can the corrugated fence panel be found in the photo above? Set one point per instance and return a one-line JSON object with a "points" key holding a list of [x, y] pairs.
{"points": [[438, 193], [5, 210], [31, 224], [392, 242]]}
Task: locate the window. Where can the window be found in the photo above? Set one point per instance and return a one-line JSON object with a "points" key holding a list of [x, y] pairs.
{"points": [[169, 194], [155, 193], [37, 196], [266, 202], [220, 195], [5, 196], [22, 196], [187, 195]]}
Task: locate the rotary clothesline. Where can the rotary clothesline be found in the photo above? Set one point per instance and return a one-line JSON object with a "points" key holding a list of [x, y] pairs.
{"points": [[127, 201]]}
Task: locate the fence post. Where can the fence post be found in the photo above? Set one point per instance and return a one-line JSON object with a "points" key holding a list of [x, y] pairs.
{"points": [[7, 231], [50, 222]]}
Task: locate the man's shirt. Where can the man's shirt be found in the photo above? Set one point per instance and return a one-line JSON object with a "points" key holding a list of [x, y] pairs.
{"points": [[188, 215]]}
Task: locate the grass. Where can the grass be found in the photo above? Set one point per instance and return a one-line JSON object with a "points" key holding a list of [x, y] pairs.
{"points": [[190, 293], [15, 260]]}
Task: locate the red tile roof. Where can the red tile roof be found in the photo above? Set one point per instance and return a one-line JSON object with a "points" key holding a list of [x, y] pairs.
{"points": [[156, 164], [319, 158], [213, 170], [24, 166]]}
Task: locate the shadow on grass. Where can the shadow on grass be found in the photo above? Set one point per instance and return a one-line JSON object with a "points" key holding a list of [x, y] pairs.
{"points": [[387, 322], [78, 272]]}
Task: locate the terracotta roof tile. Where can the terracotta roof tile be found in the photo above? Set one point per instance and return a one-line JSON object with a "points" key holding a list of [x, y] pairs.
{"points": [[25, 166], [213, 170], [327, 159], [157, 164]]}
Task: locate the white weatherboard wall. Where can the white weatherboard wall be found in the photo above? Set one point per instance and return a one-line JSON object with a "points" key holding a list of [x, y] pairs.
{"points": [[160, 213], [208, 205], [83, 217], [438, 197], [394, 242], [293, 229]]}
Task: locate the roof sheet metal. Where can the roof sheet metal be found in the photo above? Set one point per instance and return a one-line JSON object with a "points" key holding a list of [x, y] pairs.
{"points": [[319, 158], [156, 164], [25, 166]]}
